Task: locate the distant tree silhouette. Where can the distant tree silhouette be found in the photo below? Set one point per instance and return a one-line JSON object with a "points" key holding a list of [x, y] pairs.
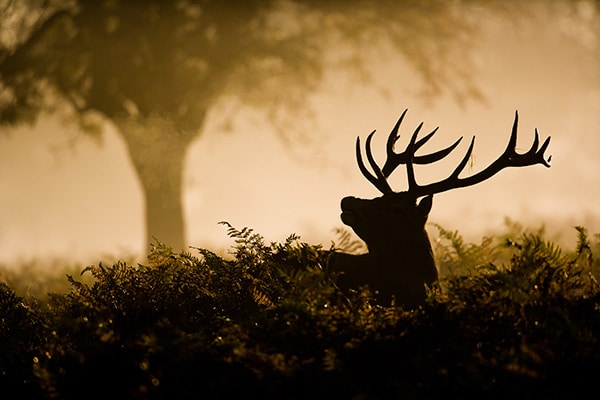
{"points": [[156, 68]]}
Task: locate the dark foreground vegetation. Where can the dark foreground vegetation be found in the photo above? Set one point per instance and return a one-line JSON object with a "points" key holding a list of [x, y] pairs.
{"points": [[514, 317]]}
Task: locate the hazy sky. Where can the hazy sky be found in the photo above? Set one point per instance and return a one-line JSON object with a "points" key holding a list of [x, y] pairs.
{"points": [[84, 201]]}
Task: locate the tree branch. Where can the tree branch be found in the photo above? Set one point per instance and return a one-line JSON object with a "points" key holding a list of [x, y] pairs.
{"points": [[8, 58]]}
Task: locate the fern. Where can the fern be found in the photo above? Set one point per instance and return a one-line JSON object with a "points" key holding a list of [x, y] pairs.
{"points": [[584, 247], [455, 257], [348, 243], [520, 320]]}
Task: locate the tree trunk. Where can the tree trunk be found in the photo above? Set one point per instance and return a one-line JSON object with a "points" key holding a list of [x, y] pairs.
{"points": [[162, 189], [157, 152]]}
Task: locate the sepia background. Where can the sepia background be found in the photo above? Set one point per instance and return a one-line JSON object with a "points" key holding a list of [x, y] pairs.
{"points": [[68, 195]]}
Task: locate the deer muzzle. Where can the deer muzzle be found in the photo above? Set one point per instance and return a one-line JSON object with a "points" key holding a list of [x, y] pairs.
{"points": [[350, 206]]}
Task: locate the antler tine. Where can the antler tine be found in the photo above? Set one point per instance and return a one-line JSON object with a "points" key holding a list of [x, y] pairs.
{"points": [[410, 151], [414, 145], [371, 159], [438, 155], [510, 158], [395, 159], [464, 161], [394, 136], [378, 180], [534, 154], [543, 161]]}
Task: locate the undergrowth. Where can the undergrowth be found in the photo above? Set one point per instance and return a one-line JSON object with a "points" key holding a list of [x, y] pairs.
{"points": [[514, 316]]}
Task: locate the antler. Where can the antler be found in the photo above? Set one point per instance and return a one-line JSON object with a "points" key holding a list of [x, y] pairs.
{"points": [[510, 158], [394, 159]]}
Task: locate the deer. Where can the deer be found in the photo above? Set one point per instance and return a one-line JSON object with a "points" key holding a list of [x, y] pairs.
{"points": [[400, 264]]}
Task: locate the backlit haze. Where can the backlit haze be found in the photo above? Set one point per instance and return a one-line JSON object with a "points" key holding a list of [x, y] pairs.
{"points": [[65, 195]]}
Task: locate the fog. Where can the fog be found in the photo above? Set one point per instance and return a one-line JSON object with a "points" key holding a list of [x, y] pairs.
{"points": [[66, 195]]}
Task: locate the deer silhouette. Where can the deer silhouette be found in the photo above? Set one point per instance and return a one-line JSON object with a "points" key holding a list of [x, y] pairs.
{"points": [[400, 261]]}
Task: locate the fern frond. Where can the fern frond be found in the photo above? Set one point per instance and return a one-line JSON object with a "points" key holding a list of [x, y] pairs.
{"points": [[584, 247], [348, 243]]}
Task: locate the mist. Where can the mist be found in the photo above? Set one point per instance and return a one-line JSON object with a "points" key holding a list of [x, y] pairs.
{"points": [[66, 195]]}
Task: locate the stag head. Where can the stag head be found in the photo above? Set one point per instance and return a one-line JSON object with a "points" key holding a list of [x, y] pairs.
{"points": [[387, 220], [393, 225], [394, 206]]}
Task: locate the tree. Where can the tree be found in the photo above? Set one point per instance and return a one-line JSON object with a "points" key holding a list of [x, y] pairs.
{"points": [[156, 68]]}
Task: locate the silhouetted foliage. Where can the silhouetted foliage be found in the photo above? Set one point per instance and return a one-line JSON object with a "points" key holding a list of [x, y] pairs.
{"points": [[22, 335], [269, 322]]}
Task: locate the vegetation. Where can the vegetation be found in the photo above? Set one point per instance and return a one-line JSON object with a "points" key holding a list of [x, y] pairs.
{"points": [[514, 316]]}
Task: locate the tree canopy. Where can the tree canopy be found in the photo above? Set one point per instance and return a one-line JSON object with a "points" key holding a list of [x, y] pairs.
{"points": [[126, 58]]}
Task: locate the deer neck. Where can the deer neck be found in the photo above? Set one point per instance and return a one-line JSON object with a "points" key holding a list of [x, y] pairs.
{"points": [[412, 252]]}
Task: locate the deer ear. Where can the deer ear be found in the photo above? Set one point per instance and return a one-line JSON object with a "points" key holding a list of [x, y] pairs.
{"points": [[424, 206]]}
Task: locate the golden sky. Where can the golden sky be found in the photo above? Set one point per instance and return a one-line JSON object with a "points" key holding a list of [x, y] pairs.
{"points": [[84, 201]]}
